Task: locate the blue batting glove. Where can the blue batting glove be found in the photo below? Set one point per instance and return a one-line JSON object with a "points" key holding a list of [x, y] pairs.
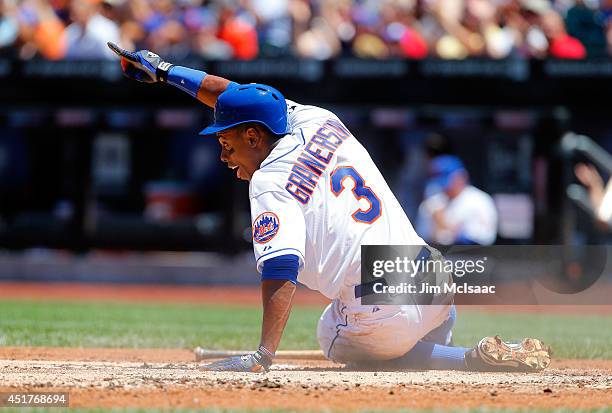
{"points": [[143, 65], [260, 361]]}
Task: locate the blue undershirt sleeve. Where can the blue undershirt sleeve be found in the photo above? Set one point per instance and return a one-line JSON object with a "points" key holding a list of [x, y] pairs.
{"points": [[283, 267]]}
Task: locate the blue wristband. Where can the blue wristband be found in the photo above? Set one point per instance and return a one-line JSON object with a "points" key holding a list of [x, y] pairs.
{"points": [[284, 267], [188, 80]]}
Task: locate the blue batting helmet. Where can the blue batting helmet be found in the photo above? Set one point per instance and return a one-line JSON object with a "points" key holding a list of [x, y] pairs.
{"points": [[442, 168], [250, 103]]}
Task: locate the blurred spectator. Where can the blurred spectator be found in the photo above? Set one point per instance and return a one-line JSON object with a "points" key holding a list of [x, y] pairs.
{"points": [[89, 31], [238, 30], [274, 26], [587, 25], [316, 29], [202, 24], [41, 30], [459, 213], [460, 21], [165, 31], [9, 27], [561, 45], [601, 197], [322, 37], [606, 15], [535, 43]]}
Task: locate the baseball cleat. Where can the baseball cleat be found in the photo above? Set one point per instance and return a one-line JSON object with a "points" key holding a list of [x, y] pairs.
{"points": [[529, 355]]}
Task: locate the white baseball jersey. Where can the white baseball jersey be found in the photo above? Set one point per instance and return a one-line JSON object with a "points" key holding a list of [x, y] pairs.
{"points": [[319, 195], [472, 213]]}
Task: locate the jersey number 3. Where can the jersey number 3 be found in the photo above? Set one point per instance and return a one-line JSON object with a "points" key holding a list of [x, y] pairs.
{"points": [[361, 191]]}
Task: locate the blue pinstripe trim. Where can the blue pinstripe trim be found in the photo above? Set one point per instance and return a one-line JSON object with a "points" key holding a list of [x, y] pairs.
{"points": [[285, 154], [282, 249], [303, 138], [337, 332]]}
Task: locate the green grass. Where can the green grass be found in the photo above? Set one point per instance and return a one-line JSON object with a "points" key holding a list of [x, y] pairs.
{"points": [[571, 336], [79, 324], [70, 324]]}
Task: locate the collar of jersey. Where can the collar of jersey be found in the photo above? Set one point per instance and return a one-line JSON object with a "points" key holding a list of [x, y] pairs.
{"points": [[283, 147]]}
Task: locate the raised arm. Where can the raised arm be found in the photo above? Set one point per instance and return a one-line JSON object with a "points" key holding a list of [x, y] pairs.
{"points": [[210, 89], [148, 67]]}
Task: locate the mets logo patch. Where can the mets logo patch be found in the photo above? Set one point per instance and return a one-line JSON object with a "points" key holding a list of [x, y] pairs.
{"points": [[265, 227]]}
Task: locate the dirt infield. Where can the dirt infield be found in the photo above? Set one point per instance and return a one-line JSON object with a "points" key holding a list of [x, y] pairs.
{"points": [[161, 378], [169, 378]]}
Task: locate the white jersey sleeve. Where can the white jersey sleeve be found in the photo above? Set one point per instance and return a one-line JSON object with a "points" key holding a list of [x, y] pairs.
{"points": [[278, 227]]}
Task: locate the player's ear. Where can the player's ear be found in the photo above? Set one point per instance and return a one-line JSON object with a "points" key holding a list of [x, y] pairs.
{"points": [[253, 136]]}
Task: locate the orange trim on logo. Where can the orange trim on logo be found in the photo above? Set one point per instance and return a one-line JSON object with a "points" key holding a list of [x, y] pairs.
{"points": [[275, 230]]}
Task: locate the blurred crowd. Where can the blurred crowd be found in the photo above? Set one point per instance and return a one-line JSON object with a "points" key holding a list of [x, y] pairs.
{"points": [[316, 29]]}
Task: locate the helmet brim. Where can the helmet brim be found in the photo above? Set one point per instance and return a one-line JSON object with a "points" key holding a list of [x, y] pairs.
{"points": [[211, 130]]}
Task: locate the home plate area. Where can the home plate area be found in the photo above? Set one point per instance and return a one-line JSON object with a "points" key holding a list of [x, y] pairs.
{"points": [[122, 378]]}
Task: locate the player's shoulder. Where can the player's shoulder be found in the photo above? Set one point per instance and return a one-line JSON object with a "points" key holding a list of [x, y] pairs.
{"points": [[274, 170], [478, 194], [266, 180], [301, 116]]}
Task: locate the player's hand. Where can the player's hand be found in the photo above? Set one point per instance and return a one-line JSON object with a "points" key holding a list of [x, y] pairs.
{"points": [[143, 65], [256, 362], [589, 177]]}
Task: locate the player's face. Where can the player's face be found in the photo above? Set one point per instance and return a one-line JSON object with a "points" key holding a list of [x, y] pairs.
{"points": [[238, 152]]}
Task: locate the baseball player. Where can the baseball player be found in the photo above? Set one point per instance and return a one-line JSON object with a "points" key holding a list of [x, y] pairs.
{"points": [[316, 196], [458, 213]]}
